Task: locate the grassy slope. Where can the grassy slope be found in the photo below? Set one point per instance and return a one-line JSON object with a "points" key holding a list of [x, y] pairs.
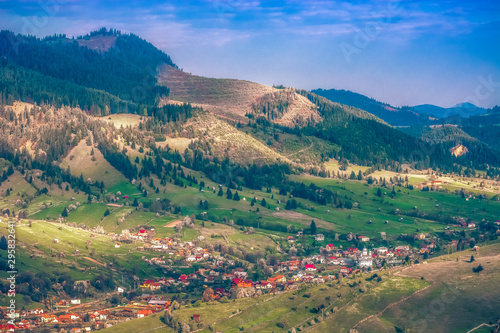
{"points": [[38, 239], [79, 160], [228, 140], [123, 119], [457, 301], [228, 97], [405, 200]]}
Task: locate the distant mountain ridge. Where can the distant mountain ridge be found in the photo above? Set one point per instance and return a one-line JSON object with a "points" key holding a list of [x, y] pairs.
{"points": [[423, 114], [463, 110], [396, 116]]}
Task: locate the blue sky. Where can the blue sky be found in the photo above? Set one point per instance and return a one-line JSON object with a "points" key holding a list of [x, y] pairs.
{"points": [[400, 52]]}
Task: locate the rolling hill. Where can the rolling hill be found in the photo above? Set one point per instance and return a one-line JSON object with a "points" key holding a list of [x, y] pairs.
{"points": [[234, 99]]}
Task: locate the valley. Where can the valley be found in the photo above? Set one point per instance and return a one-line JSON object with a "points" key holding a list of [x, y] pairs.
{"points": [[223, 205]]}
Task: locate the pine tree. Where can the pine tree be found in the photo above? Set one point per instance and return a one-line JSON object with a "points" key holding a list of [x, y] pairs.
{"points": [[106, 213], [236, 196], [313, 228], [229, 194], [220, 193], [64, 213], [263, 202]]}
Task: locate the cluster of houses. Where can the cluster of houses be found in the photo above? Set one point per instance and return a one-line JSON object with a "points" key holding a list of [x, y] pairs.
{"points": [[350, 261], [204, 275], [76, 322], [431, 184], [351, 257], [321, 237], [189, 251]]}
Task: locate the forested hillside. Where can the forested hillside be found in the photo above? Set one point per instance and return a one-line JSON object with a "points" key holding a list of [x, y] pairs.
{"points": [[404, 116], [127, 70], [107, 72], [484, 127]]}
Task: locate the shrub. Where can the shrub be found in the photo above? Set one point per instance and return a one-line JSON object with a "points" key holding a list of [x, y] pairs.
{"points": [[477, 269]]}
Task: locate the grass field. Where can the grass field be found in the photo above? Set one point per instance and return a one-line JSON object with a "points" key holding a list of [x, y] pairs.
{"points": [[38, 241], [333, 166], [89, 215], [80, 161], [458, 300], [19, 185], [179, 144], [405, 200]]}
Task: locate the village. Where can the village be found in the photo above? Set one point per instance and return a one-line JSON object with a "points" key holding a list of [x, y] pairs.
{"points": [[223, 274]]}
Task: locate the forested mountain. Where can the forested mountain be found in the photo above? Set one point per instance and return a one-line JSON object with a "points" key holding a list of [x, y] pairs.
{"points": [[449, 136], [107, 72], [367, 141], [404, 116], [57, 69], [462, 110], [485, 127]]}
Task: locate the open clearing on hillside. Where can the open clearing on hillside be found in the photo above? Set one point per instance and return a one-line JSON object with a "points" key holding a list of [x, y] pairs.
{"points": [[81, 161], [228, 140], [123, 119], [230, 97], [19, 107], [18, 184], [302, 218], [173, 224], [179, 144], [333, 166]]}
